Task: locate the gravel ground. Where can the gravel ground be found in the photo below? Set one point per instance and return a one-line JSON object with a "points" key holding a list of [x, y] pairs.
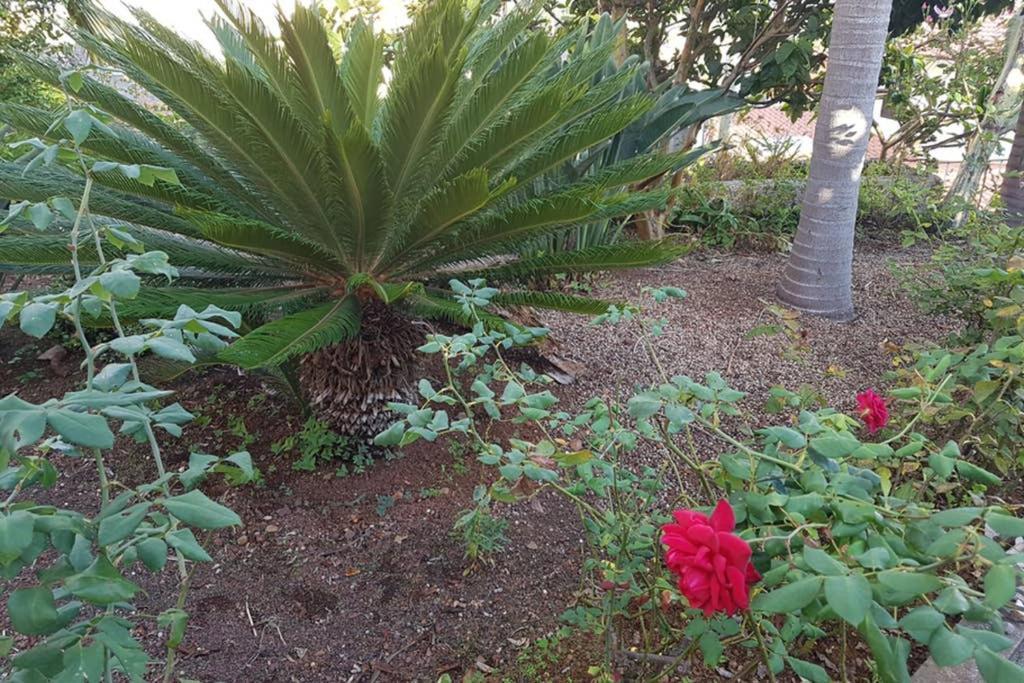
{"points": [[728, 296]]}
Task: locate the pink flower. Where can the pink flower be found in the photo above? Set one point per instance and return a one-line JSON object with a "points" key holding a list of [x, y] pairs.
{"points": [[872, 410], [713, 564]]}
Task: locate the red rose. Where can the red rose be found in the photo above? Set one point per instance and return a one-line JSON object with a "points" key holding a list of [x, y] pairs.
{"points": [[872, 410], [713, 564]]}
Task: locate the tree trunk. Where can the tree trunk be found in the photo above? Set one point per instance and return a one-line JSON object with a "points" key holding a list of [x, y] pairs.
{"points": [[349, 385], [997, 122], [1012, 189], [819, 275], [617, 10]]}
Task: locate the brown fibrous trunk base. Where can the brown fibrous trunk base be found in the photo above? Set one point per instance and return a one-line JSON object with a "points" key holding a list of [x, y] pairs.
{"points": [[349, 385]]}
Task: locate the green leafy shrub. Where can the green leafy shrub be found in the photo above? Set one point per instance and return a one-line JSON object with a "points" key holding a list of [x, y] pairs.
{"points": [[74, 601], [481, 533], [316, 443], [763, 212], [881, 539], [984, 377], [967, 272]]}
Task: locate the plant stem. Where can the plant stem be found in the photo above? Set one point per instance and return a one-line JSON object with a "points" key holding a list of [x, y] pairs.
{"points": [[101, 470], [930, 400], [711, 429], [764, 649], [842, 656], [678, 452]]}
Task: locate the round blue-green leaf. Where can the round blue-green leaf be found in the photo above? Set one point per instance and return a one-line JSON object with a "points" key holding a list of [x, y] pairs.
{"points": [[948, 648], [996, 669], [821, 562], [922, 622], [196, 509], [789, 598], [808, 670], [911, 583], [15, 535], [37, 319], [1005, 525], [83, 429], [117, 527], [33, 612], [849, 597], [1000, 585], [101, 584], [153, 553]]}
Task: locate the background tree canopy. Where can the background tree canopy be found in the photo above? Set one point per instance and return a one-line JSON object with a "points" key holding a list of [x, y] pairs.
{"points": [[30, 26]]}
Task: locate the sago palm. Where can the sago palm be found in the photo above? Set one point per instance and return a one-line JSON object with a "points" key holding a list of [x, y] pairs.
{"points": [[332, 200]]}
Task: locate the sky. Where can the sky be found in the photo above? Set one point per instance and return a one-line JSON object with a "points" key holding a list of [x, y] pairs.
{"points": [[187, 15]]}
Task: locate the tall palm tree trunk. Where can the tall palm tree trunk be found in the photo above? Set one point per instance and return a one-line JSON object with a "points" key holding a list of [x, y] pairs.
{"points": [[819, 275], [1012, 189]]}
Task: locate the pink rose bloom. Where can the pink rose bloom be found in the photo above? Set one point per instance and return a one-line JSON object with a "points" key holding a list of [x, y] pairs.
{"points": [[713, 564], [872, 410]]}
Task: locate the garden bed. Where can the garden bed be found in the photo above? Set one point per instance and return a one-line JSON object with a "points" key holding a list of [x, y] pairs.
{"points": [[359, 578]]}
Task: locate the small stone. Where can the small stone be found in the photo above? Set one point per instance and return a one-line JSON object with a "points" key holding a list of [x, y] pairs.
{"points": [[242, 540], [272, 528]]}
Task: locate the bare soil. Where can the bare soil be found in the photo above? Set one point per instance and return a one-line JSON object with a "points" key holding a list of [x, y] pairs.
{"points": [[327, 581]]}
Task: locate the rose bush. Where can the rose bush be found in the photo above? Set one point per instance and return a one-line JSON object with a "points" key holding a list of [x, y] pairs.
{"points": [[884, 540]]}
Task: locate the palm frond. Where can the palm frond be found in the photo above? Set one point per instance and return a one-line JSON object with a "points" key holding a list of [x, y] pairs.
{"points": [[124, 109], [439, 211], [436, 306], [362, 69], [493, 146], [42, 184], [296, 334], [250, 301], [602, 125], [261, 238], [490, 44], [411, 121], [556, 301], [495, 95], [640, 168], [309, 49], [300, 180], [198, 260], [263, 48], [359, 197], [512, 224], [611, 257]]}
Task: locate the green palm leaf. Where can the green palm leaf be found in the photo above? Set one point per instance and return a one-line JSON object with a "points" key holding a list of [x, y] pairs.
{"points": [[362, 70], [261, 238], [258, 302], [296, 334], [556, 301], [612, 257]]}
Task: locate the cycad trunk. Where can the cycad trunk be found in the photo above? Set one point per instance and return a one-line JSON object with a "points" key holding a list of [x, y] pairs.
{"points": [[819, 275], [1012, 190], [349, 385]]}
